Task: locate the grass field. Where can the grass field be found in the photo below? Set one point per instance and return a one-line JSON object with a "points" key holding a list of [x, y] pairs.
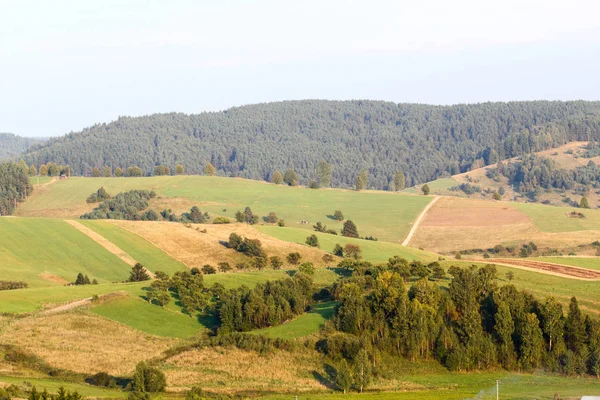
{"points": [[306, 324], [381, 214], [438, 186], [53, 385], [590, 263], [140, 249], [554, 219], [45, 252], [149, 318], [374, 251]]}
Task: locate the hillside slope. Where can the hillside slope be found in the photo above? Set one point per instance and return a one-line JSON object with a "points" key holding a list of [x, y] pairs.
{"points": [[252, 141], [13, 145]]}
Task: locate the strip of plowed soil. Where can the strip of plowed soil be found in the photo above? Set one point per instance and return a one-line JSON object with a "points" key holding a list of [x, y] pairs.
{"points": [[555, 269]]}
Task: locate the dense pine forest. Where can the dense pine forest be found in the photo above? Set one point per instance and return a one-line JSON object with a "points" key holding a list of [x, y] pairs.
{"points": [[13, 145], [423, 141], [14, 187]]}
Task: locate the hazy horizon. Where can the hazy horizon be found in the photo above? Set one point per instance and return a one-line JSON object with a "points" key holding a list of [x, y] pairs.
{"points": [[68, 65]]}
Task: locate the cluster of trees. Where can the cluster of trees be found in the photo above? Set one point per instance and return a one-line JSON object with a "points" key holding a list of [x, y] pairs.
{"points": [[126, 205], [377, 137], [62, 394], [474, 325], [14, 187], [268, 304], [186, 286], [12, 285], [84, 280], [247, 246], [98, 196]]}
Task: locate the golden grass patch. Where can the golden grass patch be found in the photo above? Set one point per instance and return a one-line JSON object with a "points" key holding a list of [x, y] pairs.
{"points": [[232, 370], [47, 276], [194, 249], [83, 343]]}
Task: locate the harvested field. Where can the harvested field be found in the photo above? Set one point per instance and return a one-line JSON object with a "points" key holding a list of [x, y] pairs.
{"points": [[195, 249], [555, 269], [230, 370], [455, 212], [83, 343]]}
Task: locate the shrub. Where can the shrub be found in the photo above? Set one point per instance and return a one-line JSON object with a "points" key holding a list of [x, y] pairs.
{"points": [[271, 218], [349, 229], [224, 267], [276, 262], [352, 251], [221, 220], [294, 258], [12, 285], [208, 269], [281, 222], [338, 216], [312, 241], [307, 268], [338, 250], [148, 379], [328, 258]]}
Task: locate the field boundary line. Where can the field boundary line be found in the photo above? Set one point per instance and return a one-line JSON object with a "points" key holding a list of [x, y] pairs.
{"points": [[539, 271], [102, 241], [415, 226]]}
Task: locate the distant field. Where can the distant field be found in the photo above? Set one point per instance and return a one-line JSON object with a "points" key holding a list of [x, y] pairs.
{"points": [[374, 251], [385, 215], [306, 324], [149, 318], [591, 263], [438, 186], [45, 252], [53, 385], [555, 219], [140, 249]]}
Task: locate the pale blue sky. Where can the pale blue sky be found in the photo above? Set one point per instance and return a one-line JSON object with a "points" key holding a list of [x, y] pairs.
{"points": [[65, 65]]}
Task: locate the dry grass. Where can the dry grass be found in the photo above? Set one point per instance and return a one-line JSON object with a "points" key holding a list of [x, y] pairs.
{"points": [[232, 370], [83, 343], [47, 276], [195, 249], [458, 224]]}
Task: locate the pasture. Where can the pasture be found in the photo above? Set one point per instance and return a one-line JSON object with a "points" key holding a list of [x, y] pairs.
{"points": [[46, 252], [385, 215], [306, 324]]}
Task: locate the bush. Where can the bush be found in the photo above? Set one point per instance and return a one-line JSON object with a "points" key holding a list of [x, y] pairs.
{"points": [[312, 241], [221, 220], [349, 229], [352, 251], [294, 258], [101, 379], [148, 379], [276, 262], [338, 216], [281, 222], [12, 285], [307, 268], [271, 218], [208, 269], [328, 258]]}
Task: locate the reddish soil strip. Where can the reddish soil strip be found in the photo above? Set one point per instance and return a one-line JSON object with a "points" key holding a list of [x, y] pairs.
{"points": [[557, 269]]}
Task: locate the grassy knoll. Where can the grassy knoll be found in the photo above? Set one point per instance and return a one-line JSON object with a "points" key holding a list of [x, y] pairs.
{"points": [[437, 186], [28, 300], [140, 249], [479, 386], [591, 262], [381, 214], [53, 385], [45, 252], [148, 318], [306, 324], [555, 219], [374, 251]]}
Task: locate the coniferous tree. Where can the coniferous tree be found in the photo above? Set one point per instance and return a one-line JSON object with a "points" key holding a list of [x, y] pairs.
{"points": [[106, 172], [350, 229], [324, 171], [343, 376], [361, 180], [532, 343], [118, 172], [399, 180], [96, 172], [138, 273]]}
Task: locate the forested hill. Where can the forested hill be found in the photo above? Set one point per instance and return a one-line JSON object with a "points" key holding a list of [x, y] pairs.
{"points": [[13, 145], [252, 141]]}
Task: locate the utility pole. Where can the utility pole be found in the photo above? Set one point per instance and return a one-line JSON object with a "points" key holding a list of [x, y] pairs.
{"points": [[497, 389]]}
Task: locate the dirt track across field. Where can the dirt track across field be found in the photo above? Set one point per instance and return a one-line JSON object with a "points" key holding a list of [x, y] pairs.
{"points": [[566, 271], [418, 221]]}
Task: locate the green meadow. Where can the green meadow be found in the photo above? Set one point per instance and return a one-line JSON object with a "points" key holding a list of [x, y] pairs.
{"points": [[304, 325], [373, 251], [555, 219], [137, 247], [385, 215], [437, 186], [32, 246], [52, 386], [591, 262]]}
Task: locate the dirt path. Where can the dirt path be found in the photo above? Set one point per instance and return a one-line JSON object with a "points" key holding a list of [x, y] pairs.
{"points": [[68, 306], [418, 221], [111, 247], [564, 271]]}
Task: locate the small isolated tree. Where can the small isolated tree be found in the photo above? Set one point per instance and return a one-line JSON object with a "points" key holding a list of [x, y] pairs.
{"points": [[224, 266], [510, 275], [338, 250], [425, 189], [247, 216], [290, 177], [307, 268], [362, 370], [277, 178], [148, 379], [271, 218], [96, 172], [294, 258], [349, 229], [584, 202], [208, 269], [179, 170], [209, 170], [118, 172], [106, 172], [343, 376], [399, 180], [352, 251], [138, 273], [234, 241], [338, 216], [496, 196], [324, 171], [276, 262], [134, 170], [259, 263], [312, 241], [361, 180]]}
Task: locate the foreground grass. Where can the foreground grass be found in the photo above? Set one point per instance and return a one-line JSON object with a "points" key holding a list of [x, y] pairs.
{"points": [[306, 324], [137, 247], [32, 249], [373, 251], [52, 386], [385, 215]]}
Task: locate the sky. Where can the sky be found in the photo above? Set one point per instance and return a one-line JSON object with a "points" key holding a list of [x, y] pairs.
{"points": [[66, 65]]}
